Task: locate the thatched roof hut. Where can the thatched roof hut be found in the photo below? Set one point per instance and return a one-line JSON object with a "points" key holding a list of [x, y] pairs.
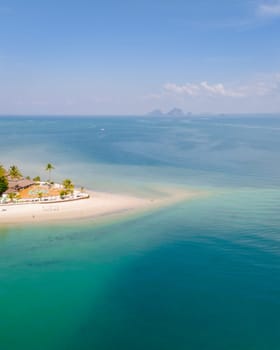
{"points": [[17, 185]]}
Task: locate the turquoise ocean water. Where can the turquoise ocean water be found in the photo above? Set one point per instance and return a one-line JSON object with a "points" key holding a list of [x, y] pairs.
{"points": [[200, 275]]}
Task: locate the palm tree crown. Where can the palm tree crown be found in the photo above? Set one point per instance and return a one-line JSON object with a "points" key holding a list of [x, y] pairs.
{"points": [[68, 185], [2, 171], [49, 168], [14, 172]]}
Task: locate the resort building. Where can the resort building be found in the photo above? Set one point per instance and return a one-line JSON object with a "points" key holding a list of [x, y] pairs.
{"points": [[16, 185]]}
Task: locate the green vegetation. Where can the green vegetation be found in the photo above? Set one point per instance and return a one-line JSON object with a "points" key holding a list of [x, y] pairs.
{"points": [[3, 184], [68, 186], [49, 168], [63, 193], [12, 196], [14, 172], [40, 195], [2, 171]]}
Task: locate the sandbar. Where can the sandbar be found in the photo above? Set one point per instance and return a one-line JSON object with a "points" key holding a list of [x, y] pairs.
{"points": [[98, 205]]}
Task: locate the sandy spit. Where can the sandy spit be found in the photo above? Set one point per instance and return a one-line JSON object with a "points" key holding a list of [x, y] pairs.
{"points": [[100, 204]]}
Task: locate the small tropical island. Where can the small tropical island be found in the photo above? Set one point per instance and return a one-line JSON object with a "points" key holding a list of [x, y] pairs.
{"points": [[26, 200], [17, 189]]}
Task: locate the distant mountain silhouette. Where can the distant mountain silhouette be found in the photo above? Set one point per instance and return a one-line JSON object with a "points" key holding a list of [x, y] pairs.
{"points": [[156, 113], [175, 112]]}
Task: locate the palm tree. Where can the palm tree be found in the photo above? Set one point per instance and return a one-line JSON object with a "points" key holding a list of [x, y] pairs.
{"points": [[68, 185], [3, 184], [62, 193], [14, 172], [40, 195], [49, 168], [2, 171], [12, 196]]}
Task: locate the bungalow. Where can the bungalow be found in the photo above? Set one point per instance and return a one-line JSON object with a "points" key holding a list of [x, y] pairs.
{"points": [[16, 185]]}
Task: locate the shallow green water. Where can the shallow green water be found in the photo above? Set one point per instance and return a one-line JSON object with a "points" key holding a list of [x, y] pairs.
{"points": [[203, 274]]}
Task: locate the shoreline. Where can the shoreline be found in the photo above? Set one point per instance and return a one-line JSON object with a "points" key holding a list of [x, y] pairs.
{"points": [[98, 205], [42, 202]]}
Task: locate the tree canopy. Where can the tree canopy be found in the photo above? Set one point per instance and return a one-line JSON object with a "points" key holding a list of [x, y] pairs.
{"points": [[3, 184], [68, 185], [2, 170], [14, 172], [49, 168]]}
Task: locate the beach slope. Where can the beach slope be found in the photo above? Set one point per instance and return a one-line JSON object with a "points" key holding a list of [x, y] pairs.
{"points": [[99, 204]]}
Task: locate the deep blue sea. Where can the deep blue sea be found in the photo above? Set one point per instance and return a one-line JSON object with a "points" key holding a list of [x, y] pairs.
{"points": [[199, 275]]}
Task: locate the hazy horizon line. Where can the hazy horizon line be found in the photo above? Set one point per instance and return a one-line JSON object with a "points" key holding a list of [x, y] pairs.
{"points": [[189, 114]]}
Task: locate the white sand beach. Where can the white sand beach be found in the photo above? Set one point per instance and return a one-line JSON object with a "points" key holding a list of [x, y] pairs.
{"points": [[100, 204]]}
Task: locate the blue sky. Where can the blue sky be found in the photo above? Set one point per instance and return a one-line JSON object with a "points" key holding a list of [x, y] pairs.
{"points": [[128, 57]]}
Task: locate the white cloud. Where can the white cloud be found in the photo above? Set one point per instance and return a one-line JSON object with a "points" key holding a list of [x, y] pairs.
{"points": [[271, 9], [265, 85], [203, 88], [258, 94], [220, 90]]}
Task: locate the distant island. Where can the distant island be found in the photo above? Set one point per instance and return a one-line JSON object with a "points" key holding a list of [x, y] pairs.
{"points": [[175, 112]]}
